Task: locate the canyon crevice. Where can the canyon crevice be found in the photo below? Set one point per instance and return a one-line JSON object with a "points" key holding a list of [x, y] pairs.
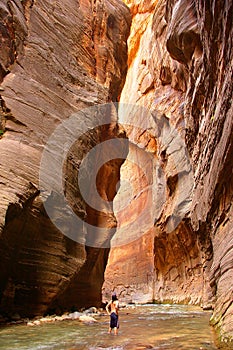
{"points": [[167, 209]]}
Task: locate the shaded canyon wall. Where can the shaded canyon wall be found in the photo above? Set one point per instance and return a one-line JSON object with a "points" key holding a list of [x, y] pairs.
{"points": [[56, 59], [172, 210]]}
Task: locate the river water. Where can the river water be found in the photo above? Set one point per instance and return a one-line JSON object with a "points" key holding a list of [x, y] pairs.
{"points": [[167, 327]]}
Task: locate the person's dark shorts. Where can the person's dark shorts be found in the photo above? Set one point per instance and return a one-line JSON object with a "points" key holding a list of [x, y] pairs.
{"points": [[114, 320]]}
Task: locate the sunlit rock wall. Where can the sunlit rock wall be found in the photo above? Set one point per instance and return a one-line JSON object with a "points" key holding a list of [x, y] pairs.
{"points": [[172, 269], [56, 59], [180, 68]]}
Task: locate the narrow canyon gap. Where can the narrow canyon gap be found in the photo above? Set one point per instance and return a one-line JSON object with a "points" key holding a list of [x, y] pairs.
{"points": [[58, 59]]}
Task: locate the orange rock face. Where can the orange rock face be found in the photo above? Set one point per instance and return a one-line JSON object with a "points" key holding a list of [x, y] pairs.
{"points": [[166, 204], [157, 83], [179, 69]]}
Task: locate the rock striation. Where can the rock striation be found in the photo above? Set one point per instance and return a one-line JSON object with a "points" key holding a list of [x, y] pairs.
{"points": [[168, 267], [57, 59], [180, 69], [168, 202]]}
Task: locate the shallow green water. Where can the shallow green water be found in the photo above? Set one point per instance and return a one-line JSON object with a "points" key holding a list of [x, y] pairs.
{"points": [[167, 327]]}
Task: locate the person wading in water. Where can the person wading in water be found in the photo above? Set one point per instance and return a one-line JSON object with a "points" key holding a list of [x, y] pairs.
{"points": [[112, 310]]}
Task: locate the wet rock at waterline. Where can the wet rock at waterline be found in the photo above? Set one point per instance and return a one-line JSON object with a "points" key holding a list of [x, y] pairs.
{"points": [[72, 316]]}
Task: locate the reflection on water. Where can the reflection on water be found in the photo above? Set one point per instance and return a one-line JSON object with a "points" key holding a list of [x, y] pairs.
{"points": [[169, 327]]}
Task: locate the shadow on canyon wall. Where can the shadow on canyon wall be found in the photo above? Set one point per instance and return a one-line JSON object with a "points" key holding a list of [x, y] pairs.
{"points": [[173, 58]]}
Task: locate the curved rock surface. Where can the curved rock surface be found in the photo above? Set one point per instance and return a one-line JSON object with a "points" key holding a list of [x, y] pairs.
{"points": [[180, 69], [57, 58], [173, 205]]}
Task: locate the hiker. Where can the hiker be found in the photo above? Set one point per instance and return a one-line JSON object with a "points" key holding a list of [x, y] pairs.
{"points": [[112, 310]]}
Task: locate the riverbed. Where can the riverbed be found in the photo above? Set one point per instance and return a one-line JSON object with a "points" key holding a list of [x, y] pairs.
{"points": [[167, 327]]}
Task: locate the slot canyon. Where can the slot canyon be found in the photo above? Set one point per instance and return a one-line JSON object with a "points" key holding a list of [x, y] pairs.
{"points": [[151, 81]]}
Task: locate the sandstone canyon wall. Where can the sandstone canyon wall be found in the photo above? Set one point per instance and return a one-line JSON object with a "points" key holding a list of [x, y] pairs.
{"points": [[56, 58], [179, 69], [173, 209]]}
